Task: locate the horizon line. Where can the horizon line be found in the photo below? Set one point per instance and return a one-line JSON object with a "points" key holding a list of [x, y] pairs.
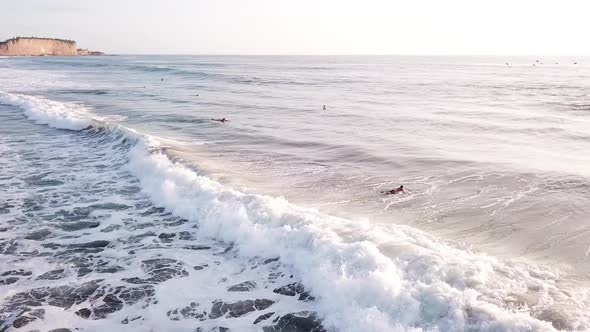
{"points": [[358, 54]]}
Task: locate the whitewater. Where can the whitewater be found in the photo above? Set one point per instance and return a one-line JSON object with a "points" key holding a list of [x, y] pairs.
{"points": [[107, 225]]}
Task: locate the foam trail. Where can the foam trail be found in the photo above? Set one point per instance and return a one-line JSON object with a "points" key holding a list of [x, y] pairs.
{"points": [[365, 277]]}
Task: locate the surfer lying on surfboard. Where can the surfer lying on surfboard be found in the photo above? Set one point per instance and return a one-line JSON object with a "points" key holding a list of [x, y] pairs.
{"points": [[394, 191], [221, 120]]}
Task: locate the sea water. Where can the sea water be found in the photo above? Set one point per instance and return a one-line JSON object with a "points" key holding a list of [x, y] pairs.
{"points": [[124, 206]]}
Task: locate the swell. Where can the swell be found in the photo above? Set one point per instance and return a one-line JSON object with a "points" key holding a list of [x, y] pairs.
{"points": [[365, 277]]}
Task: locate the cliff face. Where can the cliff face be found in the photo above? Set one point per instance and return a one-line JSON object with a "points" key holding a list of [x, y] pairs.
{"points": [[38, 46], [85, 51]]}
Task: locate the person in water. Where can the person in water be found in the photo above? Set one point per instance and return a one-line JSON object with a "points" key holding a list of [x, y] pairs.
{"points": [[394, 191], [324, 107], [221, 120]]}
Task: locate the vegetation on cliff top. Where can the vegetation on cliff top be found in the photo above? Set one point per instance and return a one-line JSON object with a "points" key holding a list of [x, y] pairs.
{"points": [[68, 41]]}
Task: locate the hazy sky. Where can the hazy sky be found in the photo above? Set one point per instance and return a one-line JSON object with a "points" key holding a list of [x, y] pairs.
{"points": [[520, 27]]}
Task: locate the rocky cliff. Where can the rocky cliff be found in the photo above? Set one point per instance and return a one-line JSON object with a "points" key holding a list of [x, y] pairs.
{"points": [[38, 46]]}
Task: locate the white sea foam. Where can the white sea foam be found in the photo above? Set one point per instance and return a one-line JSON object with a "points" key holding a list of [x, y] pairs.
{"points": [[365, 277], [54, 114]]}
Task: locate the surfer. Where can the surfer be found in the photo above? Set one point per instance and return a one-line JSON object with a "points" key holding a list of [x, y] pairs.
{"points": [[221, 120], [324, 107], [394, 191]]}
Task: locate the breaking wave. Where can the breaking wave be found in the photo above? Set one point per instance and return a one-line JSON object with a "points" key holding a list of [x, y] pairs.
{"points": [[364, 276]]}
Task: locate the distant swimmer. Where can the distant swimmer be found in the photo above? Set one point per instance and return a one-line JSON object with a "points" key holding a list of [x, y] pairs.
{"points": [[507, 64], [162, 79], [324, 107], [394, 191], [575, 63], [223, 120]]}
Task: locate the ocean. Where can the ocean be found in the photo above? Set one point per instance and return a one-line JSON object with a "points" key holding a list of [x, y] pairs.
{"points": [[124, 206]]}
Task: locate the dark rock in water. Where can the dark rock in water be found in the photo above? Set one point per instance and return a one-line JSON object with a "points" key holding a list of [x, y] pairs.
{"points": [[245, 286], [139, 237], [304, 321], [8, 247], [290, 289], [8, 281], [19, 272], [238, 308], [82, 263], [30, 205], [61, 296], [75, 215], [5, 208], [109, 206], [52, 275], [196, 247], [66, 296], [60, 330], [22, 321], [136, 226], [270, 260], [263, 317], [46, 183], [190, 311], [39, 180], [39, 235], [152, 210], [218, 309], [215, 329], [52, 246], [135, 294], [110, 228], [84, 313], [111, 304], [230, 248], [28, 316], [110, 269], [88, 264], [136, 280], [176, 223], [185, 236], [127, 319], [305, 296], [92, 247], [160, 270], [166, 237], [79, 225], [92, 244], [295, 289], [34, 253], [261, 304]]}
